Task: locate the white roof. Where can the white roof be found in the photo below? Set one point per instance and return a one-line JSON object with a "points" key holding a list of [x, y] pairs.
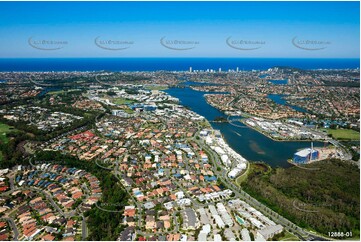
{"points": [[217, 238], [245, 235], [304, 152], [270, 230]]}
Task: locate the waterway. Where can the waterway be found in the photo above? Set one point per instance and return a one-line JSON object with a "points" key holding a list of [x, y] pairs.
{"points": [[249, 143], [49, 89], [279, 82], [279, 99]]}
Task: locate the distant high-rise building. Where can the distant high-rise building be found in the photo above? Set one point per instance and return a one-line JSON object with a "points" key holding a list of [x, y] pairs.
{"points": [[237, 70], [220, 69], [190, 69]]}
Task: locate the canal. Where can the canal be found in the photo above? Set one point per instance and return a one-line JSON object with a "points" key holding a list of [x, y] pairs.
{"points": [[249, 143]]}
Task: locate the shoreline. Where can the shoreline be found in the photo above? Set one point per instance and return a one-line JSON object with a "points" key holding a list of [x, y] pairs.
{"points": [[233, 154], [278, 140], [246, 115]]}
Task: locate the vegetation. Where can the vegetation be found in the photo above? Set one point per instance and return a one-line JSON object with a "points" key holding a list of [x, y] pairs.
{"points": [[11, 153], [220, 119], [68, 99], [156, 87], [103, 225], [285, 236], [354, 148], [4, 130], [327, 199], [121, 78], [344, 134], [62, 91], [122, 101], [243, 176]]}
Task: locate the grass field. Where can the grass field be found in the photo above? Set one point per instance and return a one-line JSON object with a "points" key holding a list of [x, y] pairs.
{"points": [[129, 111], [288, 237], [121, 101], [344, 134], [4, 130], [243, 177], [252, 167], [156, 87]]}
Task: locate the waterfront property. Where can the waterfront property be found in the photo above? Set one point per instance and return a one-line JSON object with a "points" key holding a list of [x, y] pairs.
{"points": [[253, 145], [306, 155]]}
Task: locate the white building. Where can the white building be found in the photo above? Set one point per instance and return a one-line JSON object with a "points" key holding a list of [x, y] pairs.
{"points": [[203, 234], [227, 219], [270, 231], [219, 221], [237, 170], [217, 238], [245, 235]]}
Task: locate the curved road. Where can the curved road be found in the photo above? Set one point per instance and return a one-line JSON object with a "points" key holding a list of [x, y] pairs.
{"points": [[298, 231]]}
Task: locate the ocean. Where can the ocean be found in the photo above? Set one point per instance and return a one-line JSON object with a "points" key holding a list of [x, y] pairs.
{"points": [[169, 64]]}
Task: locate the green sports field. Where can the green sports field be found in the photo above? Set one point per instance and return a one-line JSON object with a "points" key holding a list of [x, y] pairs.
{"points": [[4, 130], [344, 134]]}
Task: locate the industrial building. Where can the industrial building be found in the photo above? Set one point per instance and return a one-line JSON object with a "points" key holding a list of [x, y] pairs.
{"points": [[270, 231], [305, 155]]}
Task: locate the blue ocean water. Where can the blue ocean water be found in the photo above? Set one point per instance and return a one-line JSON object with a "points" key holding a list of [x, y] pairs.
{"points": [[169, 64]]}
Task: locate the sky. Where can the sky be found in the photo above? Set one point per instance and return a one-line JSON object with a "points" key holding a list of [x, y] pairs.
{"points": [[180, 29]]}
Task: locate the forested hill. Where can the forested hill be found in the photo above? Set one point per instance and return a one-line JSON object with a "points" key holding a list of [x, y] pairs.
{"points": [[325, 196]]}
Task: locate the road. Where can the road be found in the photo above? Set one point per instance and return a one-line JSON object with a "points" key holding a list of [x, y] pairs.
{"points": [[298, 231], [13, 227], [84, 230], [50, 199]]}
